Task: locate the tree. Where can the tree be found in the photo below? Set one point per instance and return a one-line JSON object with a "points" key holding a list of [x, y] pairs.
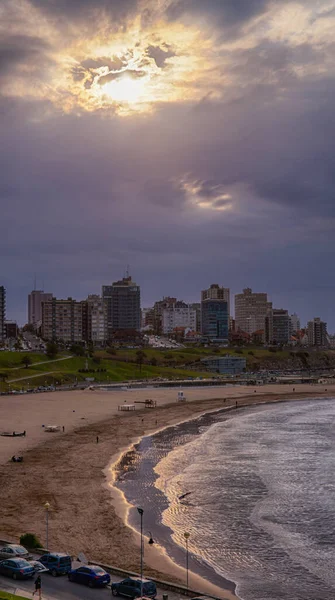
{"points": [[18, 345], [140, 356], [29, 327], [90, 348], [77, 349], [154, 361], [26, 361], [3, 376], [51, 350]]}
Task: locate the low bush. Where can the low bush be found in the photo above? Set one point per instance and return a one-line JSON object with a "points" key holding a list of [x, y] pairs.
{"points": [[30, 540], [111, 350]]}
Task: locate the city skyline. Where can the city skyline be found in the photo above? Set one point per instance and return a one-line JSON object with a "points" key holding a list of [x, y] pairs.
{"points": [[145, 306], [192, 140]]}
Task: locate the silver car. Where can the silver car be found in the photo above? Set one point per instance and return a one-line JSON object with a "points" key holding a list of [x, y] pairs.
{"points": [[14, 551], [38, 566]]}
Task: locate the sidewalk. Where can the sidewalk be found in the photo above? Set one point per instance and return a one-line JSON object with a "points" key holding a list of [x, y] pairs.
{"points": [[11, 589]]}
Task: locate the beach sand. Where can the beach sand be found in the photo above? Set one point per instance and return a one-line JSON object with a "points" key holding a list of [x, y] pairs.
{"points": [[69, 469]]}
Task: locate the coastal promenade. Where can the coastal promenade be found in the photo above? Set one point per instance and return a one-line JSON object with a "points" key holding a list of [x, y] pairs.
{"points": [[59, 588]]}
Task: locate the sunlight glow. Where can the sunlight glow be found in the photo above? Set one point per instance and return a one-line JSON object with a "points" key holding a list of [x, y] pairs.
{"points": [[127, 89]]}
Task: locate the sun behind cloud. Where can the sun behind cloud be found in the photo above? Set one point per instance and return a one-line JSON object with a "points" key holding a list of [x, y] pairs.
{"points": [[146, 63], [125, 89]]}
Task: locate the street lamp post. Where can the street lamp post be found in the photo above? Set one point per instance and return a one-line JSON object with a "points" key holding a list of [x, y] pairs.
{"points": [[186, 536], [47, 506], [140, 511]]}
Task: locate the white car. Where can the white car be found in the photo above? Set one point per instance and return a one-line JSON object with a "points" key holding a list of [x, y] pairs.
{"points": [[14, 551]]}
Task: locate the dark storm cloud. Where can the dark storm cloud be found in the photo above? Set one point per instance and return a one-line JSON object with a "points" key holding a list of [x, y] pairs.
{"points": [[83, 197], [160, 54], [20, 49], [225, 13], [113, 63], [82, 9], [273, 59]]}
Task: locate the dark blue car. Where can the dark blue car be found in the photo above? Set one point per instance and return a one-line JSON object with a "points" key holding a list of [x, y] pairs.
{"points": [[131, 587], [91, 575], [17, 568], [57, 563]]}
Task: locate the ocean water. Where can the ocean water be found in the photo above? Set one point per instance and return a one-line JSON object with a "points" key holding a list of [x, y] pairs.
{"points": [[260, 485]]}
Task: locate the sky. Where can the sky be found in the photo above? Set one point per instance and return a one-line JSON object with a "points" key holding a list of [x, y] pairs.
{"points": [[191, 140]]}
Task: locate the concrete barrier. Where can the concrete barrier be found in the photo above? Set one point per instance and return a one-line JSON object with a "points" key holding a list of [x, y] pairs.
{"points": [[164, 585]]}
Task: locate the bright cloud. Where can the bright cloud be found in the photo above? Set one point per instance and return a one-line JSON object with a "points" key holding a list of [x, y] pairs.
{"points": [[152, 61]]}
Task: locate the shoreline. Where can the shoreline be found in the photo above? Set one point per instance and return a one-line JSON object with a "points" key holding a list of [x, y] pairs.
{"points": [[173, 552], [69, 472], [117, 472]]}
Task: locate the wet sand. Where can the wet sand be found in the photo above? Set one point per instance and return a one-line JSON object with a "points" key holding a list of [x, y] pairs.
{"points": [[69, 469]]}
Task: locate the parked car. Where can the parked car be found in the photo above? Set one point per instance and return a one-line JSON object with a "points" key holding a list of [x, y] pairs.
{"points": [[131, 587], [91, 575], [38, 566], [57, 563], [13, 551], [17, 568]]}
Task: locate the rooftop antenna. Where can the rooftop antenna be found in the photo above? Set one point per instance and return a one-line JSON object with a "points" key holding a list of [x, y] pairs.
{"points": [[127, 272], [35, 281]]}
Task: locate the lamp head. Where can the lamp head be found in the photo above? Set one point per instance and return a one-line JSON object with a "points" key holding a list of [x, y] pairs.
{"points": [[151, 541], [140, 511], [186, 535], [47, 506]]}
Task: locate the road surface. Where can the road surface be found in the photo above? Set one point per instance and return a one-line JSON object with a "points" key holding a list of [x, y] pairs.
{"points": [[60, 588]]}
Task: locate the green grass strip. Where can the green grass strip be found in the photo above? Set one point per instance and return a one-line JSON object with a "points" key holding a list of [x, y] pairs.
{"points": [[8, 596]]}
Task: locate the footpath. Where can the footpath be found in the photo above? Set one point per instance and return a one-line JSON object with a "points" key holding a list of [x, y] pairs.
{"points": [[14, 591]]}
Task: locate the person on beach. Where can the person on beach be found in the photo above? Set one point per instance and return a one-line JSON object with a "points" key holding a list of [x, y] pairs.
{"points": [[38, 586], [97, 439], [63, 428]]}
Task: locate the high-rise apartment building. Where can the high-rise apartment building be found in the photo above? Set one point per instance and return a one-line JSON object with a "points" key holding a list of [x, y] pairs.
{"points": [[11, 330], [268, 333], [123, 306], [147, 318], [215, 292], [180, 315], [2, 313], [317, 333], [159, 307], [281, 326], [197, 307], [214, 320], [214, 314], [294, 323], [35, 299], [251, 310], [96, 310], [65, 320]]}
